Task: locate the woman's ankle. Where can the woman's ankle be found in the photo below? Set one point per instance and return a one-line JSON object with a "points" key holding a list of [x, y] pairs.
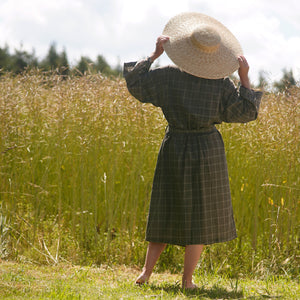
{"points": [[146, 272], [187, 282]]}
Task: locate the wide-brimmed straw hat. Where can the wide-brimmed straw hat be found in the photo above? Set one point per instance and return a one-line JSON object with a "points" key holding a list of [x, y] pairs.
{"points": [[202, 46]]}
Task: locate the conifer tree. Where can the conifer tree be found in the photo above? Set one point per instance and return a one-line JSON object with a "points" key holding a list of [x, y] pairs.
{"points": [[262, 81], [51, 61], [64, 63], [5, 59], [22, 60], [102, 65], [84, 65], [286, 82]]}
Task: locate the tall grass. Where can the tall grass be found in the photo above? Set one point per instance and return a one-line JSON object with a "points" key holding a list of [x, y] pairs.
{"points": [[77, 161]]}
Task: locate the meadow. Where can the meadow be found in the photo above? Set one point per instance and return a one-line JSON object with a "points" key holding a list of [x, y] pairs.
{"points": [[77, 157]]}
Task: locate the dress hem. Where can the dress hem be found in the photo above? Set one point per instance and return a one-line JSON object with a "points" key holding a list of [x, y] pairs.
{"points": [[165, 241]]}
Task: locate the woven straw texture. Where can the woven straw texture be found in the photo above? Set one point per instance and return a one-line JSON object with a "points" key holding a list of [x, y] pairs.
{"points": [[202, 46]]}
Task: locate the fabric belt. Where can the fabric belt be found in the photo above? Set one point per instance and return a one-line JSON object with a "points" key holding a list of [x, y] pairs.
{"points": [[170, 129]]}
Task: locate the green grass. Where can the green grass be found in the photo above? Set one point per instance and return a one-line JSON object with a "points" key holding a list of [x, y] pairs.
{"points": [[64, 281], [77, 158]]}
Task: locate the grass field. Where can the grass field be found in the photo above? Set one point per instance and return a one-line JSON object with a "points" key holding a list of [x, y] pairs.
{"points": [[77, 157], [64, 281]]}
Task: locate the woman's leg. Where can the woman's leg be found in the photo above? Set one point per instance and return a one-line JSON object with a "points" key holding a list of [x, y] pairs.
{"points": [[191, 258], [153, 252]]}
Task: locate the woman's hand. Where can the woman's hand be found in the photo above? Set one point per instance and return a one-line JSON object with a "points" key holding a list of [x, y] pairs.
{"points": [[243, 72], [159, 49]]}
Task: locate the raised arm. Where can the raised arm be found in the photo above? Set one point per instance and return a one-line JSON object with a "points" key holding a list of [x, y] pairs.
{"points": [[144, 84], [240, 105], [243, 72], [159, 49]]}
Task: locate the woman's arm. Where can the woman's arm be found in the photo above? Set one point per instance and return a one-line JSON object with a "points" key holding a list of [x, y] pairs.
{"points": [[159, 50], [144, 84], [243, 72], [240, 105]]}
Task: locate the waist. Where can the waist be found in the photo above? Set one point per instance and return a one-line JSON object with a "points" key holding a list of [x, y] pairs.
{"points": [[170, 129]]}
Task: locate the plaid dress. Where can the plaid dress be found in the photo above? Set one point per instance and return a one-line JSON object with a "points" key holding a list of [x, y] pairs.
{"points": [[190, 200]]}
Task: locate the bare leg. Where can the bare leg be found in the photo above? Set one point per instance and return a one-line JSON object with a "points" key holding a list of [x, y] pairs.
{"points": [[153, 252], [191, 258]]}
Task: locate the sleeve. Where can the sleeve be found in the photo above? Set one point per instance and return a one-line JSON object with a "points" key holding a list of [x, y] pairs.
{"points": [[144, 84], [240, 105]]}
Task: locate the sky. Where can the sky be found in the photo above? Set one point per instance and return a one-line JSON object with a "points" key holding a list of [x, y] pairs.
{"points": [[126, 30]]}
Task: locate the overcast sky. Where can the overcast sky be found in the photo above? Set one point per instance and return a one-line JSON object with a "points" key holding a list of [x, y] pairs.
{"points": [[126, 30]]}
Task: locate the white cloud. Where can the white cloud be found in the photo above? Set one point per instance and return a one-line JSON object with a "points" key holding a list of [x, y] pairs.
{"points": [[269, 31], [136, 11]]}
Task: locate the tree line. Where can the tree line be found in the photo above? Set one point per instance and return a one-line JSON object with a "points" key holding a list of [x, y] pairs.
{"points": [[17, 62], [21, 59]]}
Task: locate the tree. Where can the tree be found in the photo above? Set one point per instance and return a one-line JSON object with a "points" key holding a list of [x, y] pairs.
{"points": [[262, 81], [64, 63], [52, 57], [51, 61], [17, 62], [102, 65], [5, 59], [21, 60], [84, 65], [56, 61], [118, 70], [286, 82]]}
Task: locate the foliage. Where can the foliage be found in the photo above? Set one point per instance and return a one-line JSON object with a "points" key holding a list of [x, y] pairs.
{"points": [[77, 157], [21, 60], [54, 60], [87, 66], [84, 64], [262, 81], [4, 236], [287, 81]]}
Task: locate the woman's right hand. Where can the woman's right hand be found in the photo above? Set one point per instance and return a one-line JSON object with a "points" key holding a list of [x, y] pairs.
{"points": [[159, 49]]}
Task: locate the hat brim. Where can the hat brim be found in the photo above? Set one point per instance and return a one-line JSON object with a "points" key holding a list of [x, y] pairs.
{"points": [[191, 59]]}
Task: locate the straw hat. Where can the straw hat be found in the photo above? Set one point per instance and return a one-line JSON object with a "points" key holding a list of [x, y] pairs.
{"points": [[201, 45]]}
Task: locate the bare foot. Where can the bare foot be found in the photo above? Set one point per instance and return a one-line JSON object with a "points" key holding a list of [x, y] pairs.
{"points": [[142, 279], [191, 287], [188, 285]]}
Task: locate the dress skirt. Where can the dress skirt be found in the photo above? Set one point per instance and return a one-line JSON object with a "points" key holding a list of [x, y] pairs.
{"points": [[190, 200]]}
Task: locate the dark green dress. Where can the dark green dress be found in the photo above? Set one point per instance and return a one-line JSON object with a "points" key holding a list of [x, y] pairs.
{"points": [[191, 201]]}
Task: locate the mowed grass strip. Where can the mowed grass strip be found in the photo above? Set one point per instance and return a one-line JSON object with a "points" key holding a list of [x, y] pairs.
{"points": [[66, 281]]}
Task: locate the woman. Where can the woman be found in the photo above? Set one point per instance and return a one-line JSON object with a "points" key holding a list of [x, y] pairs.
{"points": [[191, 202]]}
